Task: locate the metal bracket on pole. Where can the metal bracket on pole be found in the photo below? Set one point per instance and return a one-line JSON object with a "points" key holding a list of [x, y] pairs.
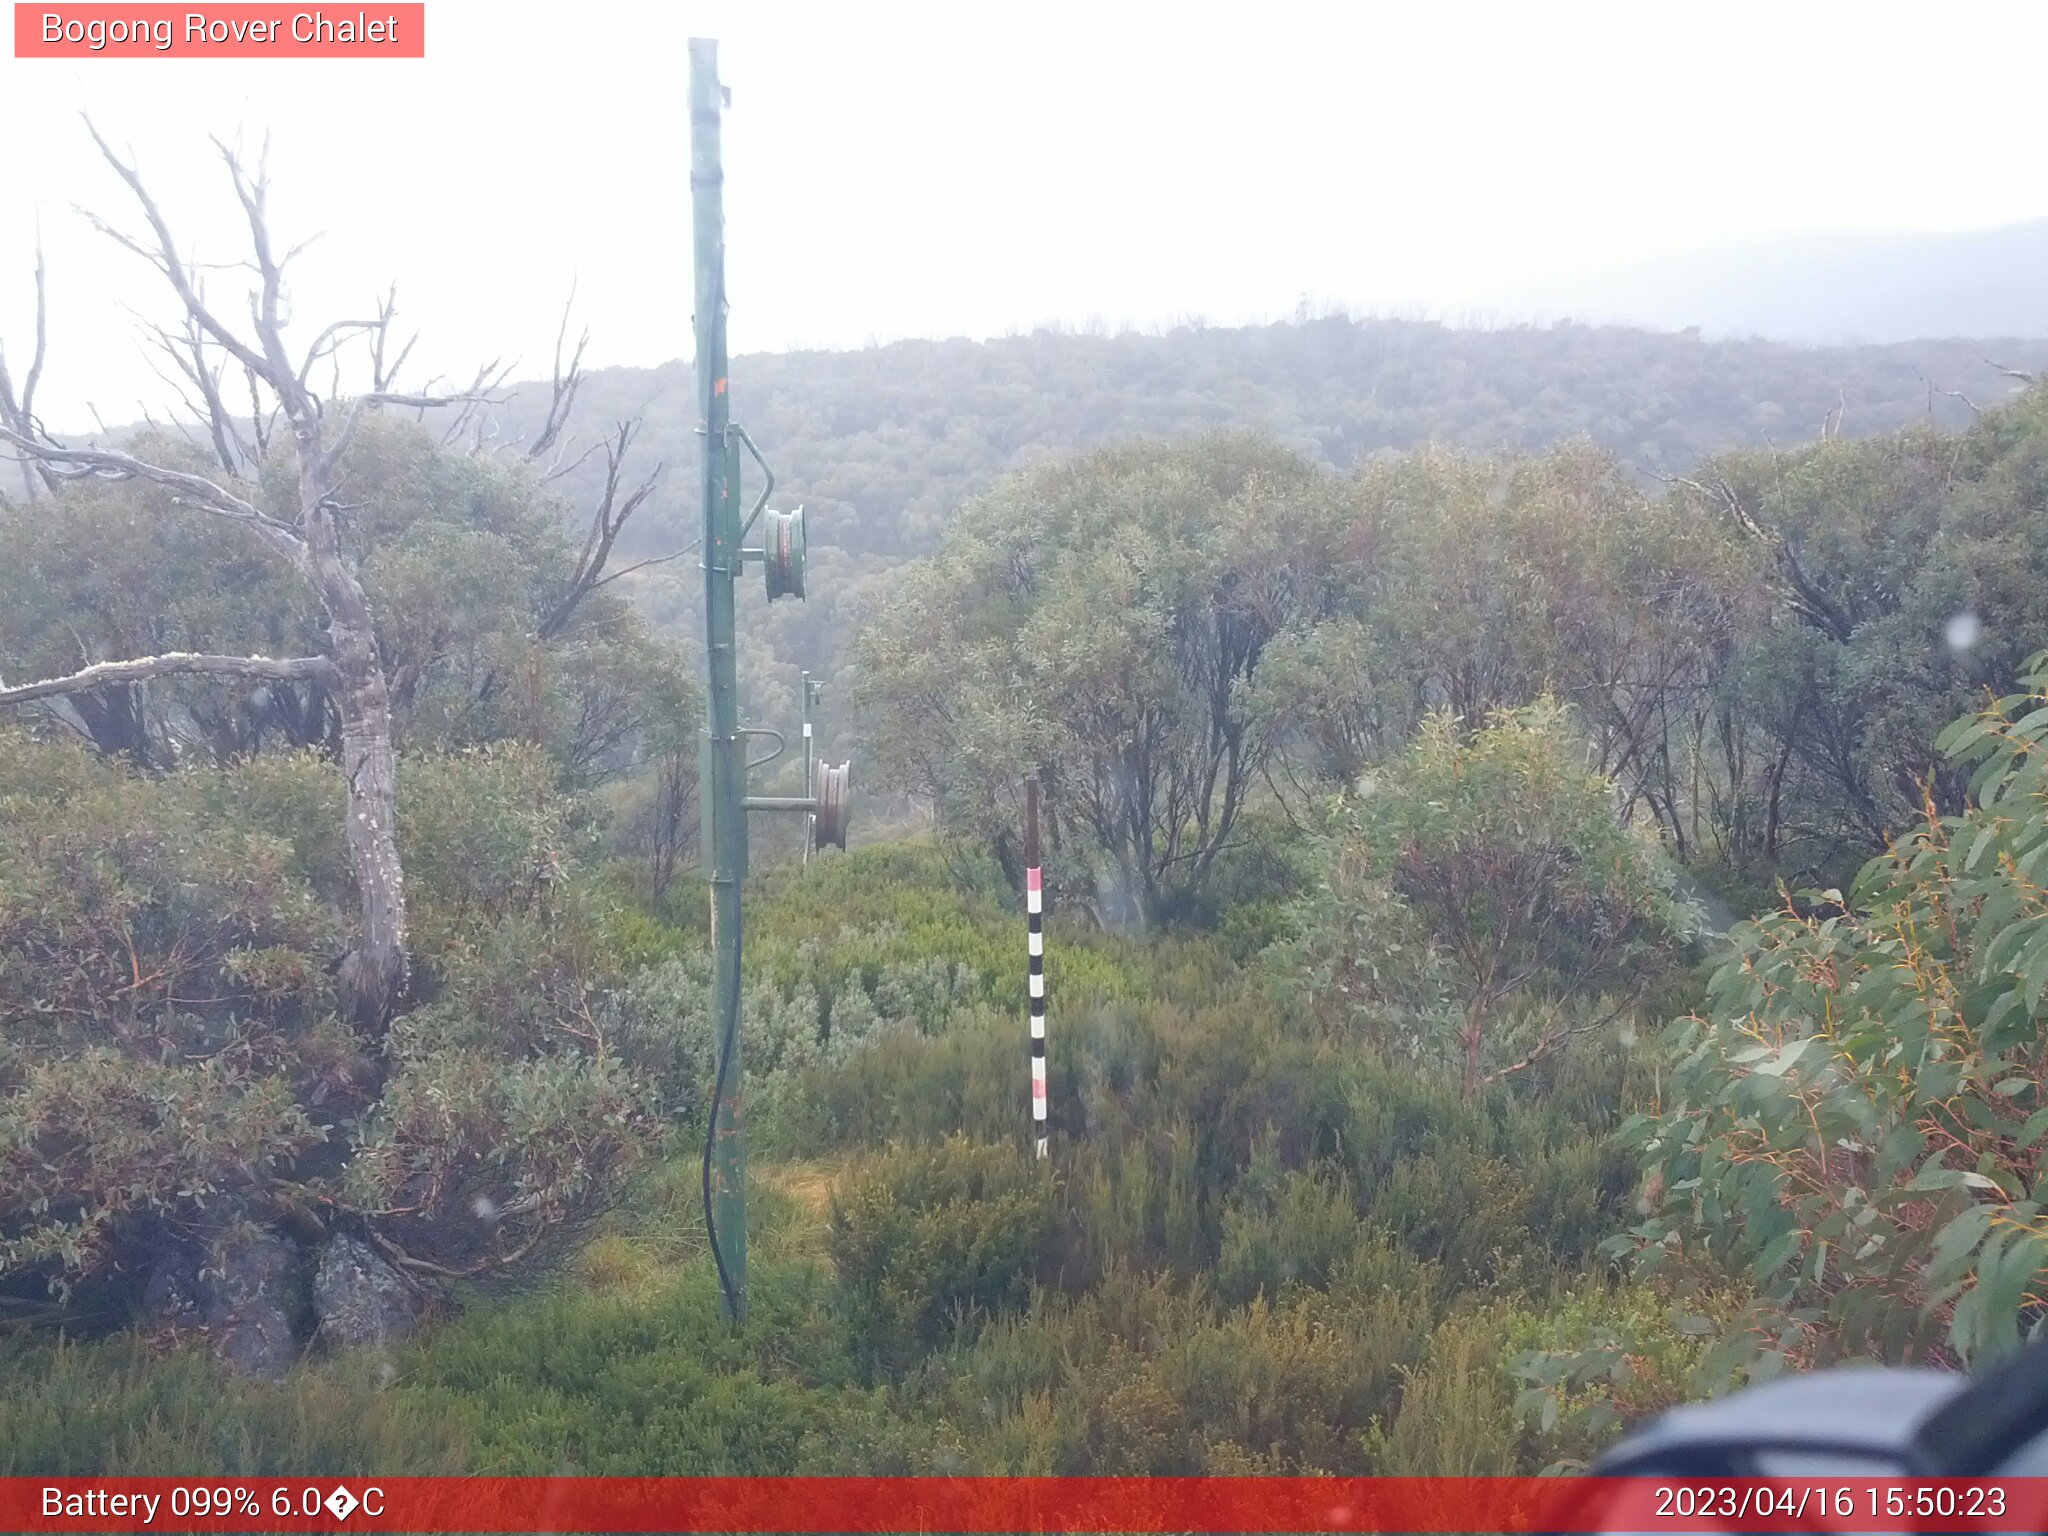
{"points": [[781, 746], [767, 490]]}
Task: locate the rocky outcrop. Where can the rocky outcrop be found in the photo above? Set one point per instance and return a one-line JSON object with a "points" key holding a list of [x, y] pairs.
{"points": [[247, 1290], [253, 1299], [361, 1301]]}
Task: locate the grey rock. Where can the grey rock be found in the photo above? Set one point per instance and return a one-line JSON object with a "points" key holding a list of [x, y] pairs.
{"points": [[360, 1300], [174, 1297], [252, 1302]]}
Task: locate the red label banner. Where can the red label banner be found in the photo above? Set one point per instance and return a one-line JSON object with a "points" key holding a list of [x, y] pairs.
{"points": [[1024, 1504], [224, 31]]}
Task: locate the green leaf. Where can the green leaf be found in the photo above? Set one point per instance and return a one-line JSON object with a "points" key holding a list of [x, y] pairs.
{"points": [[1933, 1176], [1784, 1060], [1777, 1253], [2004, 1288], [1958, 1239], [1957, 739], [1900, 1147]]}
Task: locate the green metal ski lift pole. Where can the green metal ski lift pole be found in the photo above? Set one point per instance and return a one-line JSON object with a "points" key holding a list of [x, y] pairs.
{"points": [[724, 763]]}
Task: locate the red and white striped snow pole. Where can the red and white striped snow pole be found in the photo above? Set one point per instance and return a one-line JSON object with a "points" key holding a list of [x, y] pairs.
{"points": [[1034, 907]]}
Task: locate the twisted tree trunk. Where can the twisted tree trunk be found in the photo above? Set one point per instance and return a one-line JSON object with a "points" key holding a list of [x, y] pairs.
{"points": [[375, 974]]}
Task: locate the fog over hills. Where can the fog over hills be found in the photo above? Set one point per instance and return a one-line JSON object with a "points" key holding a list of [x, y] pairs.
{"points": [[1837, 287], [884, 442]]}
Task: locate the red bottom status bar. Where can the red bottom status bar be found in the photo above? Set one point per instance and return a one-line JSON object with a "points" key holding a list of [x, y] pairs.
{"points": [[1021, 1504]]}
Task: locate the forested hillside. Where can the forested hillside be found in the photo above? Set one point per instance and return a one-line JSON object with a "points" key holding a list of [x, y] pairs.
{"points": [[884, 444]]}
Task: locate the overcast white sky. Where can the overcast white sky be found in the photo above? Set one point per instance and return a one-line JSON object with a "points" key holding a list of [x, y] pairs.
{"points": [[910, 170]]}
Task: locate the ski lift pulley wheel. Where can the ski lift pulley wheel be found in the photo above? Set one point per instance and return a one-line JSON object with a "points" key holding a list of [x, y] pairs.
{"points": [[785, 553], [833, 788]]}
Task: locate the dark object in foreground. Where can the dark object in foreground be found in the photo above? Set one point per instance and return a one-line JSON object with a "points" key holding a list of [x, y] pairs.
{"points": [[1856, 1422]]}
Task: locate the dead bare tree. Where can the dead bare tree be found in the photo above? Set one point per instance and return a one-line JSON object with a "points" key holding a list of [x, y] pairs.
{"points": [[614, 509], [566, 382], [18, 411], [606, 523], [374, 974]]}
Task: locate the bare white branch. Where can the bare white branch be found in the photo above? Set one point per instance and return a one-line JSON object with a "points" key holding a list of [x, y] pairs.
{"points": [[188, 353], [383, 375], [483, 390], [113, 464], [19, 411], [565, 384], [172, 664], [166, 260], [332, 340], [606, 523], [371, 399]]}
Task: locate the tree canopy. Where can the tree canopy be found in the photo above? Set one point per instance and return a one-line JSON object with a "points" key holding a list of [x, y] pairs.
{"points": [[1100, 623], [1479, 891]]}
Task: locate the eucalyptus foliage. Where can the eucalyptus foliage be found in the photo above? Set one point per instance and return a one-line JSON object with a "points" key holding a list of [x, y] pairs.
{"points": [[1903, 580], [1858, 1115], [1100, 623], [1480, 901], [173, 1057]]}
